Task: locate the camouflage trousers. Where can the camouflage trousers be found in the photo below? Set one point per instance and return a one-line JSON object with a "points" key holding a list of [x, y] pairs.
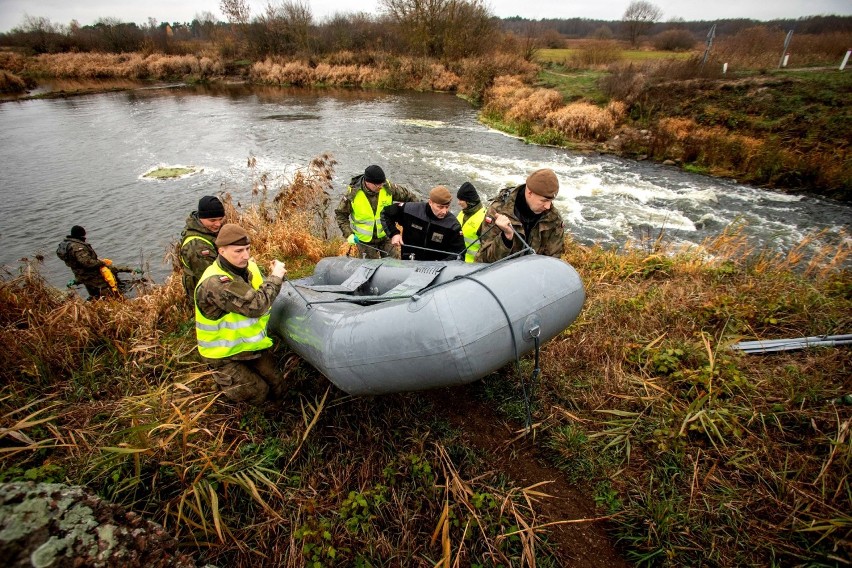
{"points": [[249, 380]]}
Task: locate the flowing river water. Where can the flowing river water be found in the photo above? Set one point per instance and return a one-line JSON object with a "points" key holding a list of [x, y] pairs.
{"points": [[80, 161]]}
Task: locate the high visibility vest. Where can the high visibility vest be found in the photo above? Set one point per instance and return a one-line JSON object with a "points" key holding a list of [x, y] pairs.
{"points": [[232, 333], [193, 237], [470, 228], [363, 219]]}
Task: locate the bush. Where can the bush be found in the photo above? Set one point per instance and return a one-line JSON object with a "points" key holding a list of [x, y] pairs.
{"points": [[582, 120], [595, 53], [674, 40], [10, 83]]}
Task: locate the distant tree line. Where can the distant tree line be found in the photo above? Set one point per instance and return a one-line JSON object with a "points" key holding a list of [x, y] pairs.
{"points": [[577, 28]]}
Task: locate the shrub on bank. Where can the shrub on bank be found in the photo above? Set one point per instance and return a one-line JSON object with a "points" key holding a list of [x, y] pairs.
{"points": [[583, 121], [596, 53], [11, 84]]}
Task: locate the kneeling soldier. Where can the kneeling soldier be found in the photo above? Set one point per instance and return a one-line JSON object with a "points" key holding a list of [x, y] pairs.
{"points": [[232, 302]]}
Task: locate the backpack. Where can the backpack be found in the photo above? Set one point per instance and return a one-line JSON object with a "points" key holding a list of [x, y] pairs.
{"points": [[63, 251]]}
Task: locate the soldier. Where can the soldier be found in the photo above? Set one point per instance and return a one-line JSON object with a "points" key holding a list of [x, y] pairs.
{"points": [[425, 226], [197, 248], [360, 210], [527, 210], [470, 218], [232, 303], [96, 274]]}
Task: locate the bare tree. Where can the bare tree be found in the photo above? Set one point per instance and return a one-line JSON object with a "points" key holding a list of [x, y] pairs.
{"points": [[236, 11], [283, 28], [639, 17], [439, 28]]}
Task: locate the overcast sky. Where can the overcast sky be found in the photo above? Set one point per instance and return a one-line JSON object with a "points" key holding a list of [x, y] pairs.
{"points": [[89, 11]]}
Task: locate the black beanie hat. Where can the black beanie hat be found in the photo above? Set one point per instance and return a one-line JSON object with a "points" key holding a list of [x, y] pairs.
{"points": [[468, 193], [78, 232], [210, 207], [374, 174]]}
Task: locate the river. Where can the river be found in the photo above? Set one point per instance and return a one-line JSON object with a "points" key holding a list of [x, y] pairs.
{"points": [[80, 161]]}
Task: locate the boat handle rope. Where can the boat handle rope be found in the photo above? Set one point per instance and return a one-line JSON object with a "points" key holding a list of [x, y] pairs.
{"points": [[527, 395], [295, 289], [461, 254]]}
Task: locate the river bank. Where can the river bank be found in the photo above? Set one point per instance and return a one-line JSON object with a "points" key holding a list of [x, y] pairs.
{"points": [[658, 420], [790, 136]]}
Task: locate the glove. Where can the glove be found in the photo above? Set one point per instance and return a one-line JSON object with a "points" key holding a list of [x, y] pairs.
{"points": [[71, 283], [106, 261], [352, 239]]}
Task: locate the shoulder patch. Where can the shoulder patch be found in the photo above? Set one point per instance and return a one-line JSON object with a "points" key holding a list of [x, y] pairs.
{"points": [[225, 279], [205, 252]]}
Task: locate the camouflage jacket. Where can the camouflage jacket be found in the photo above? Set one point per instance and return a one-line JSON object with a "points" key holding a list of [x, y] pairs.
{"points": [[547, 236], [219, 295], [80, 257], [343, 211], [196, 254]]}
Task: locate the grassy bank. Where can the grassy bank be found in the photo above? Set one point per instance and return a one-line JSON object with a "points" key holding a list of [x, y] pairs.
{"points": [[697, 454], [784, 129]]}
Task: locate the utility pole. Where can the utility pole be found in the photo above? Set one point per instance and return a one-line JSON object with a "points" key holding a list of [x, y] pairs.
{"points": [[710, 35]]}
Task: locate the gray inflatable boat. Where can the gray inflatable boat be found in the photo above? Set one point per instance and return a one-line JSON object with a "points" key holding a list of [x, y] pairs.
{"points": [[382, 326]]}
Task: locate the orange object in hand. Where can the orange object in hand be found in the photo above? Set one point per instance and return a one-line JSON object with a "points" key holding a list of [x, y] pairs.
{"points": [[110, 278]]}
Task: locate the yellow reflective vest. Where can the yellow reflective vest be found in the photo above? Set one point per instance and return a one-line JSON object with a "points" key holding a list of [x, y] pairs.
{"points": [[470, 230], [363, 219], [192, 238], [233, 333]]}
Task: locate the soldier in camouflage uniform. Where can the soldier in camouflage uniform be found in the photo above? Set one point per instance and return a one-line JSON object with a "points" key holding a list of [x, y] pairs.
{"points": [[527, 210], [197, 241], [359, 212], [232, 303], [80, 257]]}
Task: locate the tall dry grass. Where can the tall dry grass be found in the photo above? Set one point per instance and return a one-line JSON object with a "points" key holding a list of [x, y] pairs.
{"points": [[532, 111], [709, 456], [401, 72], [585, 121], [135, 66], [726, 152]]}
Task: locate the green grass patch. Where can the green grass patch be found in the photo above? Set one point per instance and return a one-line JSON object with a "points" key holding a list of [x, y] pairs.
{"points": [[171, 172], [574, 85], [563, 55]]}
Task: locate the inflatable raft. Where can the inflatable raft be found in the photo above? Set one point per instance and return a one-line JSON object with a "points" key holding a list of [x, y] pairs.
{"points": [[382, 326]]}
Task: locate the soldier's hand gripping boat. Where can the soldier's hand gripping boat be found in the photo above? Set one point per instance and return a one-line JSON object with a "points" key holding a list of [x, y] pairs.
{"points": [[382, 326]]}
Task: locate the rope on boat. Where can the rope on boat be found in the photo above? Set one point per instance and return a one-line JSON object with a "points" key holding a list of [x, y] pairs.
{"points": [[527, 396]]}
